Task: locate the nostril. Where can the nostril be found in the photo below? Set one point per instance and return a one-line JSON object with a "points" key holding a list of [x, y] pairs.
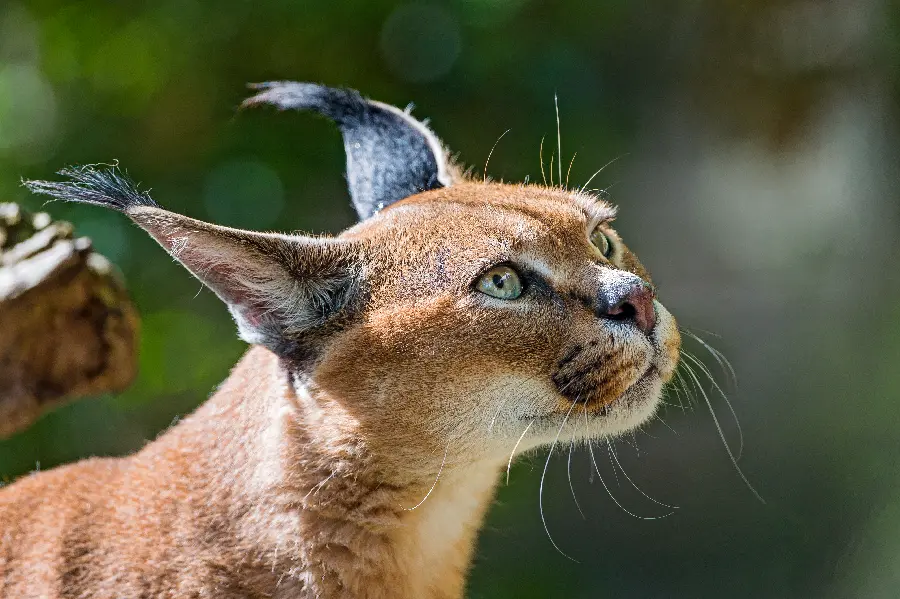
{"points": [[635, 305], [621, 311]]}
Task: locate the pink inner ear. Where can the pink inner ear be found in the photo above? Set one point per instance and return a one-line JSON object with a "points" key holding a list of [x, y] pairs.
{"points": [[218, 276]]}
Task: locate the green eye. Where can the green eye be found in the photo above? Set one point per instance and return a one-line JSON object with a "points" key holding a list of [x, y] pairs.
{"points": [[501, 282], [602, 242]]}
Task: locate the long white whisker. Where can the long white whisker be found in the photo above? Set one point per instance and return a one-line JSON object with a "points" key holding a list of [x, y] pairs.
{"points": [[600, 170], [513, 452], [436, 479], [615, 457], [590, 472], [558, 137], [611, 496], [541, 155], [541, 490], [502, 388], [671, 405], [632, 443], [724, 363], [569, 469], [494, 419], [552, 156], [666, 424], [615, 473], [722, 435], [569, 170], [737, 421], [491, 153], [672, 393], [684, 388]]}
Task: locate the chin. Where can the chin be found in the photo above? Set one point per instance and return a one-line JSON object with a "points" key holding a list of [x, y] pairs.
{"points": [[635, 407], [627, 412]]}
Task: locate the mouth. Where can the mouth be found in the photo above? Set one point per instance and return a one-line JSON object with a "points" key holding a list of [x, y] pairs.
{"points": [[603, 387], [628, 398], [596, 376], [631, 407]]}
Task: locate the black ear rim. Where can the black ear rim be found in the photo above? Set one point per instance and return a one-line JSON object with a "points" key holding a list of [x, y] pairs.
{"points": [[335, 103], [354, 113], [341, 104]]}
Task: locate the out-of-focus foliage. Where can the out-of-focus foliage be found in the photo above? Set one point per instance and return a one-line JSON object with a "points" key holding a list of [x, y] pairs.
{"points": [[757, 147]]}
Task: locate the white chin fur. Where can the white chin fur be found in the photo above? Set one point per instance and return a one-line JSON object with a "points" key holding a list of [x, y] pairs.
{"points": [[634, 408]]}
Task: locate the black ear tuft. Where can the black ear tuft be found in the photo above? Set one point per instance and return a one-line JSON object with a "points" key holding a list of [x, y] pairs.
{"points": [[107, 187], [390, 155]]}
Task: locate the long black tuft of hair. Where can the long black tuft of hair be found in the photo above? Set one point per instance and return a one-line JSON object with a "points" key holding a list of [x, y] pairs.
{"points": [[344, 106], [105, 186]]}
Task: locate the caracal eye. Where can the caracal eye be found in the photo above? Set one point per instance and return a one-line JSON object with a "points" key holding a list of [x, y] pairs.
{"points": [[602, 242], [501, 282]]}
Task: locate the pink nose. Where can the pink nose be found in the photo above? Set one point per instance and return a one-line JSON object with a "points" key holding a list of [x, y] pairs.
{"points": [[633, 301]]}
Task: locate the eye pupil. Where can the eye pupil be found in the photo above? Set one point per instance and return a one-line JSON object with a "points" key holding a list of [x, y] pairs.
{"points": [[501, 282]]}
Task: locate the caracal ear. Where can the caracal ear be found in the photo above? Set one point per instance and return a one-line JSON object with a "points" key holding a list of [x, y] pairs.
{"points": [[390, 155], [279, 288]]}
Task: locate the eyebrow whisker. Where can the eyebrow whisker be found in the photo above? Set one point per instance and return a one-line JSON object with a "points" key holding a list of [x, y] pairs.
{"points": [[600, 170]]}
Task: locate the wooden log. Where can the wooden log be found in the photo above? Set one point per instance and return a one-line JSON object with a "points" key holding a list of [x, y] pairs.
{"points": [[67, 326]]}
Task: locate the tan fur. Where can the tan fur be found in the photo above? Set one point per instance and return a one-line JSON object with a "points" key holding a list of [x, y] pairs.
{"points": [[370, 476]]}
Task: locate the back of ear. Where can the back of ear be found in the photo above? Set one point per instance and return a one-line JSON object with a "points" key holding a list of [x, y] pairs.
{"points": [[279, 288], [390, 155]]}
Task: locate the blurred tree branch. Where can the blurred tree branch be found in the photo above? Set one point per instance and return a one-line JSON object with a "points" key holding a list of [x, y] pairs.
{"points": [[67, 327]]}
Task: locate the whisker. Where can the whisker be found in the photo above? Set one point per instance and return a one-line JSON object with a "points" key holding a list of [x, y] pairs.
{"points": [[633, 443], [723, 362], [684, 388], [558, 138], [541, 155], [641, 429], [569, 469], [600, 170], [716, 386], [541, 490], [672, 392], [552, 156], [722, 434], [516, 446], [615, 473], [611, 496], [666, 424], [590, 471], [491, 153], [615, 457], [494, 419], [569, 170], [502, 388], [436, 479]]}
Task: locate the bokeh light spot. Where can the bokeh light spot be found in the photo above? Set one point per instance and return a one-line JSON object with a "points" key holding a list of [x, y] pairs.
{"points": [[28, 113], [488, 13], [244, 193], [18, 36], [420, 42]]}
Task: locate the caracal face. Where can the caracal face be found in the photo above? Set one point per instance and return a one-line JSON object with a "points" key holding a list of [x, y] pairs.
{"points": [[449, 365]]}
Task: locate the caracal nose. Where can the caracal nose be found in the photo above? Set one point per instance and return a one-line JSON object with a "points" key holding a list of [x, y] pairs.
{"points": [[632, 301]]}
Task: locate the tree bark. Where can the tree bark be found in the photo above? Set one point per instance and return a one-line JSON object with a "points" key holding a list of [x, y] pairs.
{"points": [[67, 326]]}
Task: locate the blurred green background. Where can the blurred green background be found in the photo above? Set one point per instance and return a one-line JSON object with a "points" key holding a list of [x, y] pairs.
{"points": [[757, 147]]}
